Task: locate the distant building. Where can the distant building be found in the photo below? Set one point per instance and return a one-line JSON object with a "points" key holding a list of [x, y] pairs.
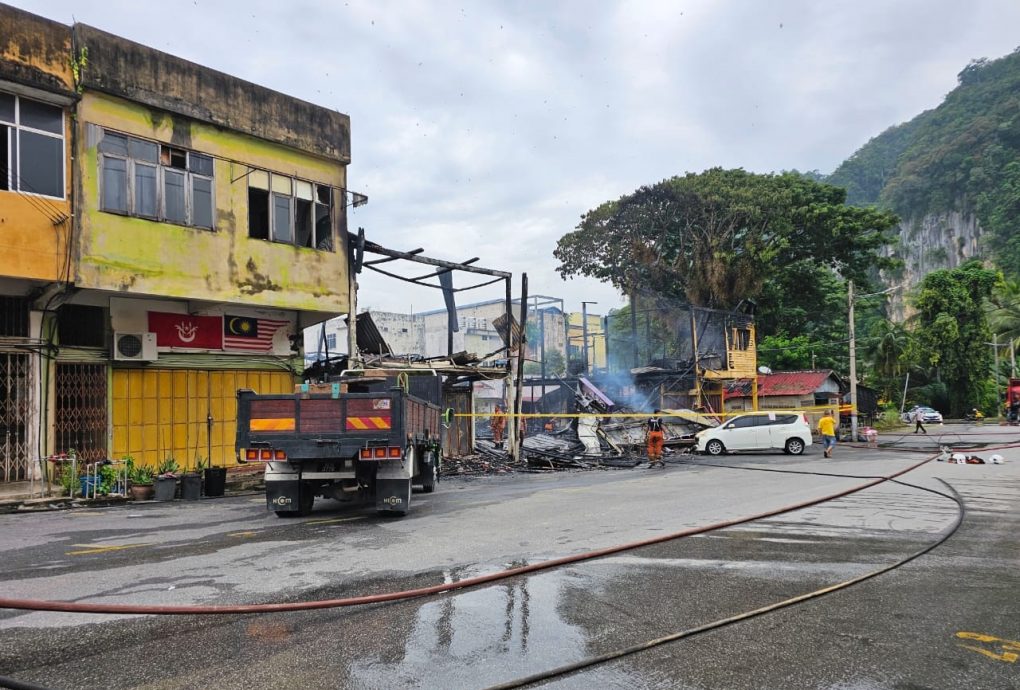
{"points": [[813, 391], [426, 333], [597, 352]]}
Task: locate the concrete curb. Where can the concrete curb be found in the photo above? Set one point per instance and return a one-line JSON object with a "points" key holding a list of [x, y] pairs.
{"points": [[26, 506]]}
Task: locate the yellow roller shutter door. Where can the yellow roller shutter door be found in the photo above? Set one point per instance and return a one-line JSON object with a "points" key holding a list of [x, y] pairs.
{"points": [[166, 412]]}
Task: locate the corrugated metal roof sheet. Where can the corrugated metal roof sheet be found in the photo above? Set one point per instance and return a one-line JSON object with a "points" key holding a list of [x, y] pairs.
{"points": [[780, 383], [370, 340]]}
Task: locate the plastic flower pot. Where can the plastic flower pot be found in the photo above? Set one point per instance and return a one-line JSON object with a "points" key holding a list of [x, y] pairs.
{"points": [[215, 481], [191, 486], [164, 488]]}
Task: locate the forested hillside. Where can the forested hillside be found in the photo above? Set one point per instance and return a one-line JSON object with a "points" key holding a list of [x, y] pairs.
{"points": [[952, 173]]}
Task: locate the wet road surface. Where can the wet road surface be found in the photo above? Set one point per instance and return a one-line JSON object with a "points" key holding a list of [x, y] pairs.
{"points": [[946, 620]]}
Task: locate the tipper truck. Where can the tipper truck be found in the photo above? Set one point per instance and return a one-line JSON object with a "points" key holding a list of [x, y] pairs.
{"points": [[359, 439]]}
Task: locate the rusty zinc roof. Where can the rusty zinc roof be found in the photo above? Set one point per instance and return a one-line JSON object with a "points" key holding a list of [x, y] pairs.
{"points": [[780, 383]]}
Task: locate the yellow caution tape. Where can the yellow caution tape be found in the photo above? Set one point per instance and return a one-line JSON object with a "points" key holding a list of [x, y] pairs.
{"points": [[645, 415]]}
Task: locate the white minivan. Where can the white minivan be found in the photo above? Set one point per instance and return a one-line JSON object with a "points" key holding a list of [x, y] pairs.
{"points": [[788, 431]]}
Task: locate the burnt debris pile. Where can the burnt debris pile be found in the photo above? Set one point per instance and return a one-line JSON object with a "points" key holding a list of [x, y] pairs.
{"points": [[597, 433]]}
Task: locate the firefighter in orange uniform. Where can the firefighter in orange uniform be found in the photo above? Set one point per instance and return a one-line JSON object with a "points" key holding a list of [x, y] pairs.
{"points": [[498, 424], [655, 440]]}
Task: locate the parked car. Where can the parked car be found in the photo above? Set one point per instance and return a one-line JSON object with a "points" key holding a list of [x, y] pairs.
{"points": [[929, 415], [788, 431]]}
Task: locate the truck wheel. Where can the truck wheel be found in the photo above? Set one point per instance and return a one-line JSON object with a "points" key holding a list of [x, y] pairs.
{"points": [[430, 474]]}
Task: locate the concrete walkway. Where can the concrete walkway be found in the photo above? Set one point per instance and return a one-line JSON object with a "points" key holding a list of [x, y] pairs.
{"points": [[28, 496]]}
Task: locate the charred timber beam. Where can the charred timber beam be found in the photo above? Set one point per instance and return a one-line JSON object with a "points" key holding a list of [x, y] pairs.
{"points": [[408, 256]]}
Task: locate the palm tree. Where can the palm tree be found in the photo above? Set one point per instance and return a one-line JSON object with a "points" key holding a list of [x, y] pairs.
{"points": [[1003, 310], [887, 348]]}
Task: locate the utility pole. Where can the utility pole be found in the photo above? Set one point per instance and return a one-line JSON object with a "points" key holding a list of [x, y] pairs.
{"points": [[605, 340], [1012, 358], [635, 358], [853, 364], [694, 358], [541, 335], [995, 375], [584, 333]]}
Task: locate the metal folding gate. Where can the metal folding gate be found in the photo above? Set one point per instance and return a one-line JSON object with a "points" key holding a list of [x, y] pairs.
{"points": [[15, 412], [183, 413], [81, 410]]}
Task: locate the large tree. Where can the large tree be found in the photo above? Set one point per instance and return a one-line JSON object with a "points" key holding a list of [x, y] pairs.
{"points": [[714, 238], [951, 331]]}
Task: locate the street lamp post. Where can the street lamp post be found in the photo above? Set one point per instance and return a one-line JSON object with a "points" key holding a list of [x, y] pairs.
{"points": [[584, 333]]}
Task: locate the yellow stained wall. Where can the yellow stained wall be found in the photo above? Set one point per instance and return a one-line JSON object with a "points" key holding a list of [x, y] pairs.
{"points": [[35, 230], [38, 51], [163, 259], [33, 246], [160, 413]]}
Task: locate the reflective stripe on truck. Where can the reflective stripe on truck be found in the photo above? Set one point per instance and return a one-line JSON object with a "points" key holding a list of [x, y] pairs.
{"points": [[280, 424], [364, 423]]}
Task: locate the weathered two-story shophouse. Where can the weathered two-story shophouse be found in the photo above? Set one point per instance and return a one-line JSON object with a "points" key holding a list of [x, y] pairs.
{"points": [[167, 231]]}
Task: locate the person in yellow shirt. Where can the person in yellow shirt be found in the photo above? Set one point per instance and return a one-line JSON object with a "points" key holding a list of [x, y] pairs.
{"points": [[827, 428]]}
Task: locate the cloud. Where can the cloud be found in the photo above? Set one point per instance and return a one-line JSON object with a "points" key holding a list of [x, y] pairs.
{"points": [[488, 129]]}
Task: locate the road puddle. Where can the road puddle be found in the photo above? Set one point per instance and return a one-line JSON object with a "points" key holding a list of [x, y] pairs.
{"points": [[480, 637]]}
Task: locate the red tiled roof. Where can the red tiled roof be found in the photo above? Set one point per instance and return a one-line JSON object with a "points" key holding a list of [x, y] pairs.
{"points": [[780, 383]]}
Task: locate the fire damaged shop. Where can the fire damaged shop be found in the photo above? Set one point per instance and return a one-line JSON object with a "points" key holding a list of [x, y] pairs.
{"points": [[600, 419]]}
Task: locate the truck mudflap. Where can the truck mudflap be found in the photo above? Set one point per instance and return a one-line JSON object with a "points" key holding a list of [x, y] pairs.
{"points": [[393, 484], [285, 493], [284, 496], [393, 495]]}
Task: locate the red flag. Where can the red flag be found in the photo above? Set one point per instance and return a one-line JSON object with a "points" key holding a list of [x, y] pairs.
{"points": [[181, 330]]}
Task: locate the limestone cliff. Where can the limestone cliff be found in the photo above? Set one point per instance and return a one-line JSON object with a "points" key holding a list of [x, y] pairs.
{"points": [[926, 243]]}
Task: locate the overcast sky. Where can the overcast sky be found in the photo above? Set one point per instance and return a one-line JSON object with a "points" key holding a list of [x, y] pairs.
{"points": [[487, 129]]}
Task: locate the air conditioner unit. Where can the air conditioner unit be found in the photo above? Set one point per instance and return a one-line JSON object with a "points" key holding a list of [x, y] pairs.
{"points": [[134, 347]]}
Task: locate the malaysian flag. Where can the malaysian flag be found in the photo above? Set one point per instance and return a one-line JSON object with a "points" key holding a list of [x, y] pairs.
{"points": [[252, 335]]}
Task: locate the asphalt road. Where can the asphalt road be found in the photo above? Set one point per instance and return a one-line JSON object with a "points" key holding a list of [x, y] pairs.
{"points": [[950, 619]]}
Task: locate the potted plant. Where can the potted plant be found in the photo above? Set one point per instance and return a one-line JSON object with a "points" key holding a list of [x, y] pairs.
{"points": [[191, 481], [140, 480], [165, 483], [69, 480], [111, 480]]}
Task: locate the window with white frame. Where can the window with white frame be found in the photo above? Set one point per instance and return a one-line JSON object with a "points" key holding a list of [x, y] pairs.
{"points": [[32, 150], [289, 210], [151, 180], [331, 341]]}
